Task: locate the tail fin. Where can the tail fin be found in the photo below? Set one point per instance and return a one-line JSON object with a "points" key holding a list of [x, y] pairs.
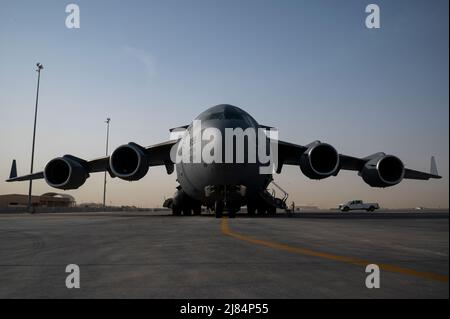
{"points": [[13, 173], [433, 167]]}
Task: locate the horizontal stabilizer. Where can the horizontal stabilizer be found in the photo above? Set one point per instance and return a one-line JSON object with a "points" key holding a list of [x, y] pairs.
{"points": [[39, 175], [412, 174]]}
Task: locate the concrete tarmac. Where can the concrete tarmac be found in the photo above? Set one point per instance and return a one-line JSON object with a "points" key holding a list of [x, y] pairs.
{"points": [[156, 255]]}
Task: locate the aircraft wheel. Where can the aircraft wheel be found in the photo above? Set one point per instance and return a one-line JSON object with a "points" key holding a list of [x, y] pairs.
{"points": [[176, 211], [271, 210], [218, 208], [261, 210], [232, 213], [197, 210], [251, 210], [187, 211]]}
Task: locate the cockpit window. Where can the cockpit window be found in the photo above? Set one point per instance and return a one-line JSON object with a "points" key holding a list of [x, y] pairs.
{"points": [[225, 112], [232, 114], [214, 116]]}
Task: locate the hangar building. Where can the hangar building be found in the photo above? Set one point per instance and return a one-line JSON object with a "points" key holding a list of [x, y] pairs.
{"points": [[45, 200]]}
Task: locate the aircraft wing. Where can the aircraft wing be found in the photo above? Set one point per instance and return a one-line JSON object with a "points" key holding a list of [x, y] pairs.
{"points": [[159, 154], [290, 154]]}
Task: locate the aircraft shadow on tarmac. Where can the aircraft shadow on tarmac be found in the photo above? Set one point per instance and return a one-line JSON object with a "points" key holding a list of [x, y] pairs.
{"points": [[337, 215], [442, 214], [305, 215]]}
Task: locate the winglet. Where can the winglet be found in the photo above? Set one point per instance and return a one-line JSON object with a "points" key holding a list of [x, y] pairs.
{"points": [[13, 173], [433, 167]]}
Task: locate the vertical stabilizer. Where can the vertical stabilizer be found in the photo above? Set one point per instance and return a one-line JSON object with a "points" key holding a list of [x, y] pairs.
{"points": [[433, 167], [13, 173]]}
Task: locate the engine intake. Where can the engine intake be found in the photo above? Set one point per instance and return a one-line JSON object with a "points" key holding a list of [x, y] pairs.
{"points": [[320, 160], [65, 173], [384, 171], [129, 162]]}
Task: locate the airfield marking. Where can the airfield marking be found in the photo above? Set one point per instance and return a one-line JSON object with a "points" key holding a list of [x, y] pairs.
{"points": [[349, 260]]}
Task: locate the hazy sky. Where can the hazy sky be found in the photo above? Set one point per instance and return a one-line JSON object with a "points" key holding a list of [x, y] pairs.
{"points": [[310, 68]]}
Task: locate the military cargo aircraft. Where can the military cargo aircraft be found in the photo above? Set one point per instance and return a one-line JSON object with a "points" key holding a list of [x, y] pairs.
{"points": [[227, 182]]}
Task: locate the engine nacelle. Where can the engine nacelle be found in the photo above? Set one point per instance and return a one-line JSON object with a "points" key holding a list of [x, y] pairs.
{"points": [[383, 171], [319, 161], [65, 173], [129, 162]]}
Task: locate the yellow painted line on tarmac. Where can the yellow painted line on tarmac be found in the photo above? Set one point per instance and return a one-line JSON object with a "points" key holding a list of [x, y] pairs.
{"points": [[348, 260]]}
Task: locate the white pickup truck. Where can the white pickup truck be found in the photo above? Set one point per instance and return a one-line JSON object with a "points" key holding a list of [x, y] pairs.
{"points": [[358, 205]]}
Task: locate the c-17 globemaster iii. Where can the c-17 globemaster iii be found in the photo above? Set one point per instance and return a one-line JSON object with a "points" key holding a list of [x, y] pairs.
{"points": [[220, 173]]}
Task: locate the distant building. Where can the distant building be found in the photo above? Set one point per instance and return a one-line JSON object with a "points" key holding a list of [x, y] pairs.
{"points": [[45, 200], [91, 205]]}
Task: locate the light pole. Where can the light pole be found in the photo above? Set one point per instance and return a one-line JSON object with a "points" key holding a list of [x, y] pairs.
{"points": [[38, 70], [107, 142]]}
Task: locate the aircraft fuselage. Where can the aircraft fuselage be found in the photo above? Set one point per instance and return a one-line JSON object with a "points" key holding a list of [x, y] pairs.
{"points": [[210, 182]]}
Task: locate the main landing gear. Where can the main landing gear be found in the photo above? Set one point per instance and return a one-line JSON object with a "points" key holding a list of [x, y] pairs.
{"points": [[182, 204], [187, 210]]}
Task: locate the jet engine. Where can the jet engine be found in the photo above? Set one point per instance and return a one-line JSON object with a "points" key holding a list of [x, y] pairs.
{"points": [[65, 172], [129, 162], [383, 171], [319, 161]]}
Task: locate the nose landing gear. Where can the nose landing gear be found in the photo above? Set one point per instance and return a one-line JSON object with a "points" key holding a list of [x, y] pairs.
{"points": [[219, 209]]}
